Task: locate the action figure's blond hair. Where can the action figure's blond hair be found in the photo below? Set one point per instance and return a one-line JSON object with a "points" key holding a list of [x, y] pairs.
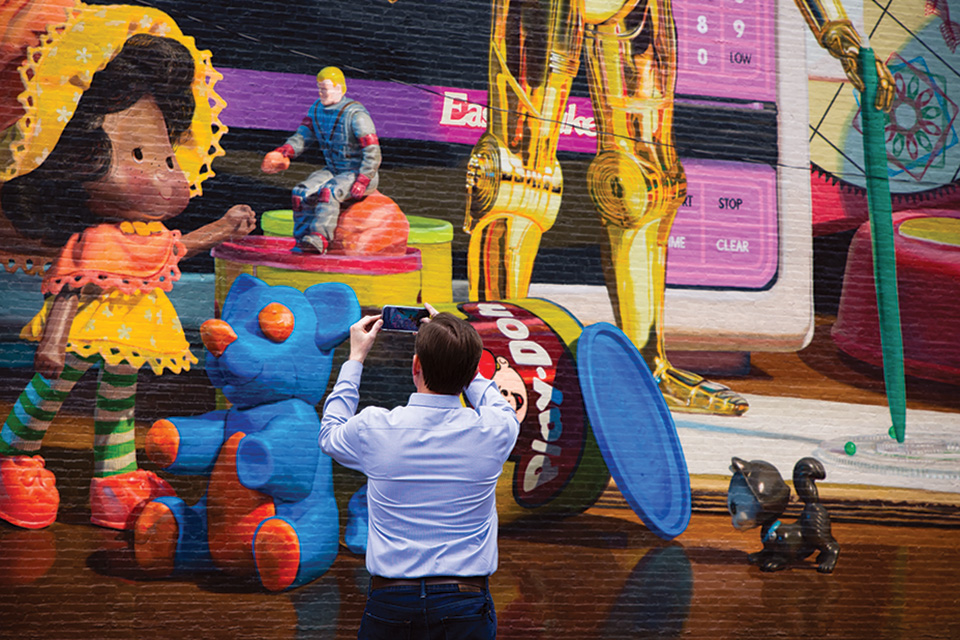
{"points": [[334, 75]]}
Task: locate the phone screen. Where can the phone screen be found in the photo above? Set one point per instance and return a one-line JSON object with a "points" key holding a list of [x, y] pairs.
{"points": [[403, 318]]}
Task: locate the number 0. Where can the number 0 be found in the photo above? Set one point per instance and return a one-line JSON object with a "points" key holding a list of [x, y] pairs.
{"points": [[702, 56]]}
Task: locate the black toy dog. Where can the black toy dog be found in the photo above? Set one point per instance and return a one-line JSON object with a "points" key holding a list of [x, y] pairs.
{"points": [[757, 496]]}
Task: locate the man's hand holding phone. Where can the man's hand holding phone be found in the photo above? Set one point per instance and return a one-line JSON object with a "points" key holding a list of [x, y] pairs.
{"points": [[363, 334]]}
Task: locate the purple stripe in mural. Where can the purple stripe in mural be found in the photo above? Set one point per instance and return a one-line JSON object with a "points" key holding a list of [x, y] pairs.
{"points": [[413, 112]]}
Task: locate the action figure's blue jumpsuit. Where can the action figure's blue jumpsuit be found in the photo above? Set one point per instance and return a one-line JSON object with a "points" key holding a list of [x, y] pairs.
{"points": [[348, 141]]}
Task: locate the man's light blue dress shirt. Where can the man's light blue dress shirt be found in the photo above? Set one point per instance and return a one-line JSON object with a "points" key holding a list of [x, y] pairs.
{"points": [[432, 468]]}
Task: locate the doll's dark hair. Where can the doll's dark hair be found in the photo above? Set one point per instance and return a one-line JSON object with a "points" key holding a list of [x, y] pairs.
{"points": [[49, 204]]}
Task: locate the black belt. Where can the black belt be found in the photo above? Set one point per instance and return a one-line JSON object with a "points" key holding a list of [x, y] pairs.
{"points": [[474, 582]]}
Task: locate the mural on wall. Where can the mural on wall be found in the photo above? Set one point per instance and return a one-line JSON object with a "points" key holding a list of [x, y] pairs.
{"points": [[98, 150], [680, 131]]}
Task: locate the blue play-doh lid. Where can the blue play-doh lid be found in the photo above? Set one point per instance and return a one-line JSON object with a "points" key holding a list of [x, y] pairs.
{"points": [[634, 429]]}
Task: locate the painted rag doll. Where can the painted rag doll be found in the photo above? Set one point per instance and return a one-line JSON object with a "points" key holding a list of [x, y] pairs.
{"points": [[121, 125], [758, 496]]}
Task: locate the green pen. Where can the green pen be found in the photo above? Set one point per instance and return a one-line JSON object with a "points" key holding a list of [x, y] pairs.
{"points": [[884, 259]]}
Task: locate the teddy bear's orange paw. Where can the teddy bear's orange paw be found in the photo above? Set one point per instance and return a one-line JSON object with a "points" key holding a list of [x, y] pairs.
{"points": [[163, 442], [277, 552], [155, 539]]}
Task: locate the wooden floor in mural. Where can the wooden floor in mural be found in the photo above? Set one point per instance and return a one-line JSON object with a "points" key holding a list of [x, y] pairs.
{"points": [[600, 574]]}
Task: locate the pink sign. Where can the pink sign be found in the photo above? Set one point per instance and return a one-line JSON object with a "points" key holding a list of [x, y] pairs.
{"points": [[726, 48], [725, 234]]}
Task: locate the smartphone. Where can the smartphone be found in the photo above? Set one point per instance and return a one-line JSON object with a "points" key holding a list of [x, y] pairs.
{"points": [[403, 318]]}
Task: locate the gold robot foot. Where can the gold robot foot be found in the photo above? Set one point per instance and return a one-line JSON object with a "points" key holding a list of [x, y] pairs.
{"points": [[689, 393]]}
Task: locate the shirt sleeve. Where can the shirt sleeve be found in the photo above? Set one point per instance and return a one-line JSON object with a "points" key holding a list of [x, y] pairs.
{"points": [[339, 427], [484, 396], [363, 128]]}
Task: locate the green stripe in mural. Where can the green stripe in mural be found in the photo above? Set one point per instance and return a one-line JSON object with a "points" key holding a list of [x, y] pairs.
{"points": [[34, 411], [21, 430], [109, 452], [118, 379], [110, 427], [118, 404], [46, 392]]}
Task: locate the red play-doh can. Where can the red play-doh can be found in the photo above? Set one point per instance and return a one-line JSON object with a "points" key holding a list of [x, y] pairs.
{"points": [[588, 408]]}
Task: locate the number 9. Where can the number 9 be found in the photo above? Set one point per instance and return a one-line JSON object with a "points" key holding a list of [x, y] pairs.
{"points": [[739, 27]]}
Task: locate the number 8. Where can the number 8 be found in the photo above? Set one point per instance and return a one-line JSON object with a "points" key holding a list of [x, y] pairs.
{"points": [[702, 24]]}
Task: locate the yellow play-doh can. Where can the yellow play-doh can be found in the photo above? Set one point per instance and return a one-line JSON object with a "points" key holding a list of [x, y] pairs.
{"points": [[530, 352], [377, 280], [431, 236]]}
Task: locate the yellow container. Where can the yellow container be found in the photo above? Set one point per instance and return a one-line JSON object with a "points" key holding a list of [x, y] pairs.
{"points": [[278, 223], [431, 236], [376, 280]]}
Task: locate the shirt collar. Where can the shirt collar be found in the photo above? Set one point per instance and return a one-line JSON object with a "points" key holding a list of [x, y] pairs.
{"points": [[434, 400]]}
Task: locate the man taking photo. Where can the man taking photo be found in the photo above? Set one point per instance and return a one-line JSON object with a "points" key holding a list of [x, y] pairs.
{"points": [[432, 468]]}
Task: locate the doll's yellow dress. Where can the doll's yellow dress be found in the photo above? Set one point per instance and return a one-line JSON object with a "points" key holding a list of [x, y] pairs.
{"points": [[126, 316]]}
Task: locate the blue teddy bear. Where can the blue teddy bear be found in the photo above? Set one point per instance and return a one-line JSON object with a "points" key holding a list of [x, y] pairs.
{"points": [[269, 508]]}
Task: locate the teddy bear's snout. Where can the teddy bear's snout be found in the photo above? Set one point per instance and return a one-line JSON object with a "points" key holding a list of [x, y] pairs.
{"points": [[217, 335]]}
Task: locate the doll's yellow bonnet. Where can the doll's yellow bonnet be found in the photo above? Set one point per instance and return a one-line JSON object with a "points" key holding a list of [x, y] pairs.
{"points": [[57, 72]]}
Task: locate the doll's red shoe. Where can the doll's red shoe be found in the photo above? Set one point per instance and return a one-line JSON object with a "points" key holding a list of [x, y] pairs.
{"points": [[116, 501], [28, 492]]}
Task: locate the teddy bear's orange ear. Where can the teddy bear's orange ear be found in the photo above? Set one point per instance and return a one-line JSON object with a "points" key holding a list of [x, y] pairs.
{"points": [[276, 322]]}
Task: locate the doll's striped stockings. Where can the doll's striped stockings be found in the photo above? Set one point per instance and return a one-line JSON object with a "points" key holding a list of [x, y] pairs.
{"points": [[114, 450]]}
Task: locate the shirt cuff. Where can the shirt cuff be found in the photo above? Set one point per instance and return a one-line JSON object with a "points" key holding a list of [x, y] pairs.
{"points": [[350, 371], [476, 390]]}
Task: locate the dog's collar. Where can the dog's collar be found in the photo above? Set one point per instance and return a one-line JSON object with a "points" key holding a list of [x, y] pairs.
{"points": [[771, 532]]}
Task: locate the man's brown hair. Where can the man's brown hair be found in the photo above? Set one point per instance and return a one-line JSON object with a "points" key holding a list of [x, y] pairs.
{"points": [[449, 350]]}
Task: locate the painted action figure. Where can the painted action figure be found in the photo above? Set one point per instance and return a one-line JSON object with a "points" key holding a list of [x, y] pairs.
{"points": [[130, 145], [636, 181], [346, 135]]}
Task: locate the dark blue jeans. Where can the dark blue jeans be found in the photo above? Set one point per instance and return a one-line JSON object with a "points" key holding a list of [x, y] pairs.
{"points": [[428, 612]]}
